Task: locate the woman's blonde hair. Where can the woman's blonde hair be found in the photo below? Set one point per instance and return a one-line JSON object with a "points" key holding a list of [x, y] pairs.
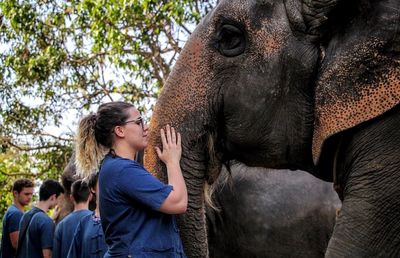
{"points": [[95, 135]]}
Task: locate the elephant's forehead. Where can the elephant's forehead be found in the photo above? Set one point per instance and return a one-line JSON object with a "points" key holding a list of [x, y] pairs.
{"points": [[271, 39]]}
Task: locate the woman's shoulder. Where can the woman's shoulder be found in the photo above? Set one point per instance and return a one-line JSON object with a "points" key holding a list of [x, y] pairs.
{"points": [[132, 166], [114, 162], [120, 165]]}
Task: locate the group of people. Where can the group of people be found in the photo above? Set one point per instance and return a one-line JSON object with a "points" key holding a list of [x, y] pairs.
{"points": [[34, 234], [136, 209]]}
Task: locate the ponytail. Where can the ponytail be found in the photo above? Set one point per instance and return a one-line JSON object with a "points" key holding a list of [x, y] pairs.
{"points": [[89, 153]]}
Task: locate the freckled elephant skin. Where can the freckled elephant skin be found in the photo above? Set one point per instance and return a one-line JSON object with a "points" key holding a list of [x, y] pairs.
{"points": [[299, 85], [267, 213]]}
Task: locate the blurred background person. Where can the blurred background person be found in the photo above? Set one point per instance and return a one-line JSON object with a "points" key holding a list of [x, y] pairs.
{"points": [[36, 227], [80, 196], [22, 195], [89, 241]]}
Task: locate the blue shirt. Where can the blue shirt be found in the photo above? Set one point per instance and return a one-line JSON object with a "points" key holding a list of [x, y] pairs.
{"points": [[39, 235], [130, 198], [10, 224], [88, 239], [65, 233]]}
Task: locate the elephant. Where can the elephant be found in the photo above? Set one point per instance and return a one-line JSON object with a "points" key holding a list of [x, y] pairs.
{"points": [[292, 84], [268, 213]]}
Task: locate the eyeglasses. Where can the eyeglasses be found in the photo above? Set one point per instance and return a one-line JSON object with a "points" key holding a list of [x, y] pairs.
{"points": [[138, 121]]}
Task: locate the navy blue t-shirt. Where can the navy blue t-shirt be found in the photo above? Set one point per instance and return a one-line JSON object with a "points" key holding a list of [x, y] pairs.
{"points": [[10, 224], [88, 239], [130, 198], [39, 234], [64, 233]]}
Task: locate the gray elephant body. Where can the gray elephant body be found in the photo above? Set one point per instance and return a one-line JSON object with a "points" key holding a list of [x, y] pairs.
{"points": [[269, 213]]}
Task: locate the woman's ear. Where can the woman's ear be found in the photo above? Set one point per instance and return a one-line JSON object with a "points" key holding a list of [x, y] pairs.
{"points": [[359, 78], [119, 131]]}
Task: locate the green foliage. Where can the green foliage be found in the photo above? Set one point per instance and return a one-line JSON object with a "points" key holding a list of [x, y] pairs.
{"points": [[59, 58]]}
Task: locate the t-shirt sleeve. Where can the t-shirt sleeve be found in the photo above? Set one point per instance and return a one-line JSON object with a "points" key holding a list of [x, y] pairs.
{"points": [[47, 229], [13, 224], [138, 184]]}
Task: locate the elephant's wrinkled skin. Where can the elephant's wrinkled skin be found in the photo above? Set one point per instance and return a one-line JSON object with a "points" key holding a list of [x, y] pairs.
{"points": [[268, 213], [295, 84]]}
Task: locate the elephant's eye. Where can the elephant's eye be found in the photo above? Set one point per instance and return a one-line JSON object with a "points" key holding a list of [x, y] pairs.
{"points": [[231, 40]]}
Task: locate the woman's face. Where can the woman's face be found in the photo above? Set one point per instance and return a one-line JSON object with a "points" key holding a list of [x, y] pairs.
{"points": [[135, 130]]}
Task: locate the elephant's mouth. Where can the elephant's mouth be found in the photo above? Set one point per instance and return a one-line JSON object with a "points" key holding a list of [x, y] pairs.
{"points": [[326, 168], [257, 155]]}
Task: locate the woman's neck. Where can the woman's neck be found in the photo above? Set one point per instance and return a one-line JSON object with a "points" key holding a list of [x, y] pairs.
{"points": [[124, 152]]}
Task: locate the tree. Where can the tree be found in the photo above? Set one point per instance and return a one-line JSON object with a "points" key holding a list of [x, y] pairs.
{"points": [[66, 57]]}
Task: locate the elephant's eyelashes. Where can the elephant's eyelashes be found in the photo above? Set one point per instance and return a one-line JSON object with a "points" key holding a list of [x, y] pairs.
{"points": [[231, 40]]}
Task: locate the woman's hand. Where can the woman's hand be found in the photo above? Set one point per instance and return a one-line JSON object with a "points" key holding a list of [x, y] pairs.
{"points": [[177, 200], [171, 146]]}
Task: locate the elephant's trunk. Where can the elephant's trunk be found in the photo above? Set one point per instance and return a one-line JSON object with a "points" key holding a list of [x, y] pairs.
{"points": [[189, 112], [192, 224]]}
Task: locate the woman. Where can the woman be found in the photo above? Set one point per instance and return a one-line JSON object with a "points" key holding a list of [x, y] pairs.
{"points": [[136, 208]]}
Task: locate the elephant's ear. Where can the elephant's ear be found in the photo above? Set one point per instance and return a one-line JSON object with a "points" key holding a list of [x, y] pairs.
{"points": [[359, 74]]}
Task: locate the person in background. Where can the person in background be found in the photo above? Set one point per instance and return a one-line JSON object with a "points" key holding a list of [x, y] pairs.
{"points": [[63, 236], [36, 227], [136, 208], [89, 241], [22, 195]]}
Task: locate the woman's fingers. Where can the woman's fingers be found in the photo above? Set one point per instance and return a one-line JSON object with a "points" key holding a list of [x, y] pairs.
{"points": [[159, 152], [173, 135], [163, 139], [169, 134], [179, 139]]}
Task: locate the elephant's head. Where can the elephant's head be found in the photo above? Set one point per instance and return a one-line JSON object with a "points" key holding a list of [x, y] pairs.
{"points": [[268, 82]]}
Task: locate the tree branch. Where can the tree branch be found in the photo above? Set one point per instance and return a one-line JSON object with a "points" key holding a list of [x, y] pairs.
{"points": [[29, 148], [25, 174]]}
